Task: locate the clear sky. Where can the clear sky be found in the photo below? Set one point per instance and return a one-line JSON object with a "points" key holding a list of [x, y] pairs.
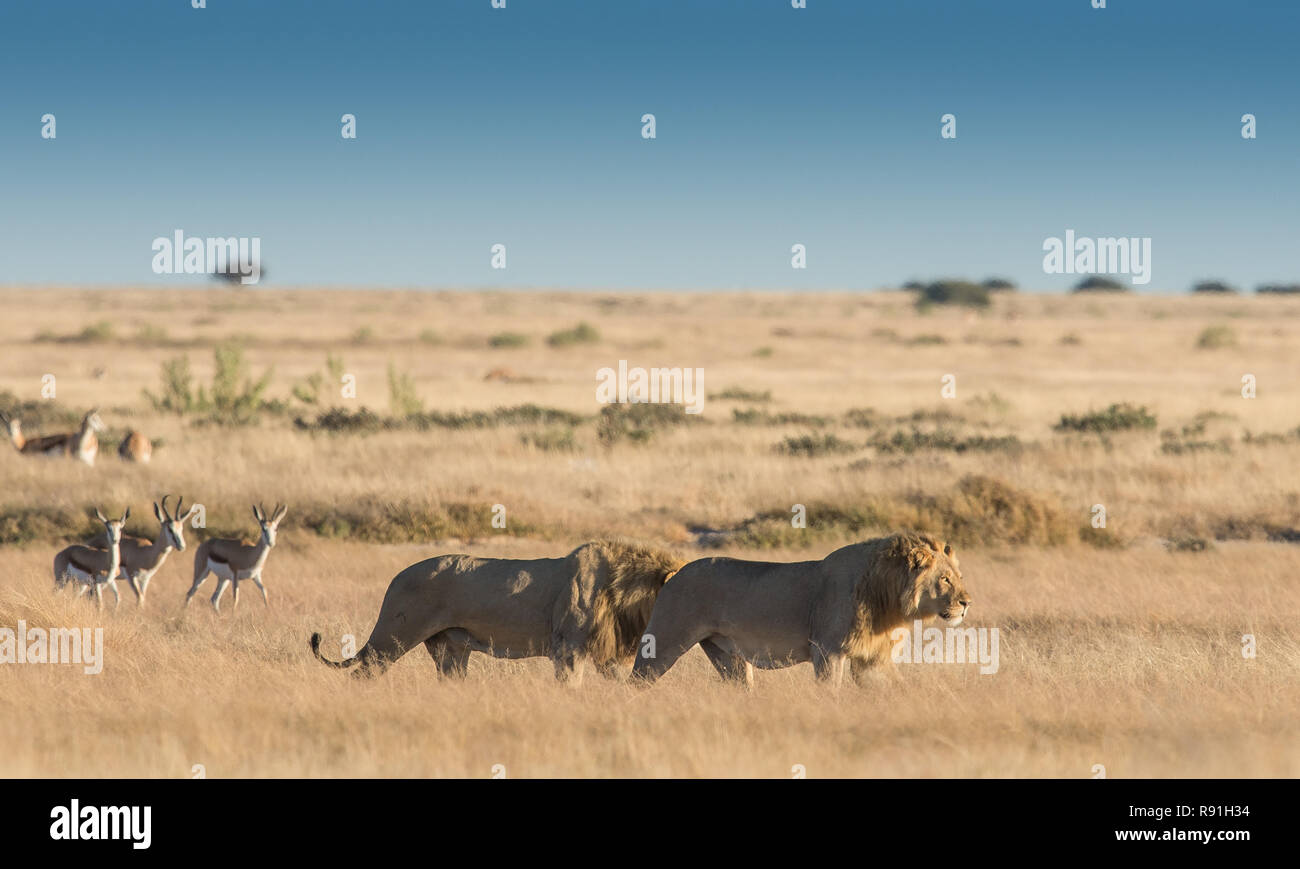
{"points": [[775, 126]]}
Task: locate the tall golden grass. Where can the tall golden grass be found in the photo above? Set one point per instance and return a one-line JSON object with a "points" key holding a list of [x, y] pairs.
{"points": [[1115, 650]]}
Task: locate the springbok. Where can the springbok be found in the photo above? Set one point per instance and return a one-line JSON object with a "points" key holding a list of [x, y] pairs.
{"points": [[94, 568], [141, 559], [234, 560], [80, 444], [135, 447]]}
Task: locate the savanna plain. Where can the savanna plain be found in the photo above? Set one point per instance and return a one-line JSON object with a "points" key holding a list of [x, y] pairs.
{"points": [[1162, 644]]}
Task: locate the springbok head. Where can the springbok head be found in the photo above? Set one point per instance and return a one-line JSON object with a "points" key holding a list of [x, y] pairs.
{"points": [[113, 526], [173, 524], [269, 525]]}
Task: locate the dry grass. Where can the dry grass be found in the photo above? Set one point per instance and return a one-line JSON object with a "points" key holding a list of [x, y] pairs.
{"points": [[1124, 654]]}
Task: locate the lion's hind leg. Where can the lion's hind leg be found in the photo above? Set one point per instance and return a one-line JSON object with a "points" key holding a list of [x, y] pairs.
{"points": [[730, 666], [450, 653]]}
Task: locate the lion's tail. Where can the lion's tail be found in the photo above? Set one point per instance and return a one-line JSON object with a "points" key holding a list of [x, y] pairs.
{"points": [[341, 665]]}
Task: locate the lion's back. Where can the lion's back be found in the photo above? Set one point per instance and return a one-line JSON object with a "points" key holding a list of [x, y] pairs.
{"points": [[733, 591]]}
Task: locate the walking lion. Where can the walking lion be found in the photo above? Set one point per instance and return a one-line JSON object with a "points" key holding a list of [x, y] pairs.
{"points": [[588, 606], [747, 614]]}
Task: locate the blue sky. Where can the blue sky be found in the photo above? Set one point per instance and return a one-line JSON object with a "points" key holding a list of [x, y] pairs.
{"points": [[522, 126]]}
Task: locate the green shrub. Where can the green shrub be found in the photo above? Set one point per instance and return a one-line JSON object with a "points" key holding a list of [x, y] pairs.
{"points": [[149, 334], [403, 401], [583, 333], [638, 423], [519, 415], [95, 332], [1190, 441], [340, 421], [236, 398], [762, 417], [366, 421], [550, 440], [177, 394], [862, 417], [1188, 544], [1117, 417], [813, 445], [508, 340], [736, 393], [908, 442], [311, 389], [1216, 337], [233, 398]]}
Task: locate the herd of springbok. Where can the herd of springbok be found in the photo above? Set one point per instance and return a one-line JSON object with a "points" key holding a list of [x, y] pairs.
{"points": [[109, 556], [82, 444]]}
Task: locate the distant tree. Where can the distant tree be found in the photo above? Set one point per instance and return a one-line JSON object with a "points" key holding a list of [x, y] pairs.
{"points": [[956, 292], [234, 276], [916, 286], [994, 285], [1278, 288], [1213, 287], [1098, 284]]}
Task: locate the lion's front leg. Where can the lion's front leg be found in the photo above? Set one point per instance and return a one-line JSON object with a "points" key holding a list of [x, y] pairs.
{"points": [[569, 666], [867, 674], [874, 667], [828, 666]]}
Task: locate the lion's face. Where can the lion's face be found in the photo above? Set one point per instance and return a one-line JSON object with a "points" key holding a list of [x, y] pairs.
{"points": [[939, 588]]}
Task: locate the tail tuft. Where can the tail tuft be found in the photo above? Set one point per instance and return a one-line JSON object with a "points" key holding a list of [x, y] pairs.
{"points": [[341, 665]]}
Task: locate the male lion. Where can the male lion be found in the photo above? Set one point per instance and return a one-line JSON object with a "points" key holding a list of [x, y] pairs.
{"points": [[590, 605], [747, 614]]}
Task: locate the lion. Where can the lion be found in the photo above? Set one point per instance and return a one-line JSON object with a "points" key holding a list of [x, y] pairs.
{"points": [[590, 605], [748, 614]]}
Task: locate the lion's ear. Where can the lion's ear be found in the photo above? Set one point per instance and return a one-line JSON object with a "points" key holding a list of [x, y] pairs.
{"points": [[920, 558], [947, 549]]}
